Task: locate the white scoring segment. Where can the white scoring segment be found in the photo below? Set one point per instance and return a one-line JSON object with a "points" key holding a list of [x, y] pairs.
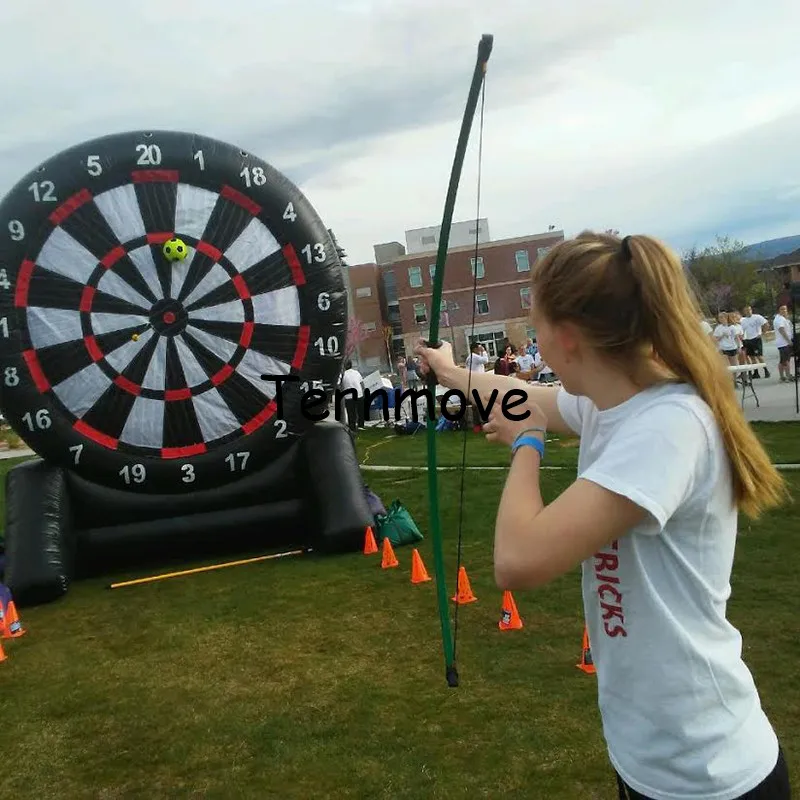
{"points": [[48, 326], [108, 323], [120, 207], [145, 424], [214, 416], [112, 284], [216, 277], [155, 377], [221, 348], [280, 307], [192, 370], [193, 210], [142, 258], [66, 256], [232, 311], [255, 364], [123, 355], [252, 245], [83, 389]]}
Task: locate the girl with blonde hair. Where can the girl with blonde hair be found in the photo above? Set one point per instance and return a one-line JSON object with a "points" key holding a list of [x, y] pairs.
{"points": [[666, 462]]}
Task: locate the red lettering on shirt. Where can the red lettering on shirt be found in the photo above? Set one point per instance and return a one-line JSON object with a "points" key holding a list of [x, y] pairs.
{"points": [[605, 567]]}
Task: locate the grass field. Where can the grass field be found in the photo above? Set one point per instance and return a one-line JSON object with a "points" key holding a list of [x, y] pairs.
{"points": [[324, 678]]}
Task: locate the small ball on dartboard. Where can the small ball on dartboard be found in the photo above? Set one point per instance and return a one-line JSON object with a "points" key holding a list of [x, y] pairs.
{"points": [[174, 250]]}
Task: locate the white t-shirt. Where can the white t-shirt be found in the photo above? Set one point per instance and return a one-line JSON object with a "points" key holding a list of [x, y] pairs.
{"points": [[351, 379], [476, 362], [537, 362], [752, 326], [728, 334], [681, 713], [525, 362], [705, 326], [780, 338]]}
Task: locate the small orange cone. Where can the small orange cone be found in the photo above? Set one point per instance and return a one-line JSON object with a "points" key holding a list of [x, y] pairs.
{"points": [[509, 616], [389, 558], [3, 656], [586, 665], [13, 626], [464, 592], [418, 572], [370, 545]]}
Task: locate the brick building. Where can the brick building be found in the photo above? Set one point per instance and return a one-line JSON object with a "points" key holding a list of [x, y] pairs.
{"points": [[502, 300], [366, 309]]}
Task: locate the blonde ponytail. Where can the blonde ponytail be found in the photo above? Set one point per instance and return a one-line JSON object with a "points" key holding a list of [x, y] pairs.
{"points": [[633, 296]]}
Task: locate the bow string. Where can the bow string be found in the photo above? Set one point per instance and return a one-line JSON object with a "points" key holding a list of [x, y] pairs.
{"points": [[449, 638]]}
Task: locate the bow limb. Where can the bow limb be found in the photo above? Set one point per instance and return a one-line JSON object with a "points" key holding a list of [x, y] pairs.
{"points": [[484, 50]]}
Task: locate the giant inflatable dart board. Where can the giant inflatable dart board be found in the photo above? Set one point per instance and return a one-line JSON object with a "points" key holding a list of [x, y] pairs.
{"points": [[144, 373]]}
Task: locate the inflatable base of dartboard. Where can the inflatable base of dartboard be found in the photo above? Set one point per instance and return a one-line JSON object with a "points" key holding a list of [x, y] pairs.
{"points": [[61, 527]]}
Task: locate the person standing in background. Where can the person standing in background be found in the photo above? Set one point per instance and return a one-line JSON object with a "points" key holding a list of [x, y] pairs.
{"points": [[783, 338], [752, 325], [352, 379]]}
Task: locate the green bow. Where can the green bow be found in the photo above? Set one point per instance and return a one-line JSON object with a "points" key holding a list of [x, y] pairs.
{"points": [[448, 642]]}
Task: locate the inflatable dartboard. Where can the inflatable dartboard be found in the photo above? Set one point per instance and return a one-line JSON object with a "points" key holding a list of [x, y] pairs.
{"points": [[148, 282]]}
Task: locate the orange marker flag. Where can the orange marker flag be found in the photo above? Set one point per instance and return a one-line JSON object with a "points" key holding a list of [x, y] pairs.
{"points": [[418, 572], [586, 665], [3, 656], [509, 616], [464, 592], [389, 558], [370, 545]]}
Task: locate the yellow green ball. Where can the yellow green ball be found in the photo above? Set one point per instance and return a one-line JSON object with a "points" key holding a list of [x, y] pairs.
{"points": [[175, 250]]}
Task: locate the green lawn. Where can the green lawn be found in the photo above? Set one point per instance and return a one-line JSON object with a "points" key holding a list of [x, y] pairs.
{"points": [[382, 446], [323, 678]]}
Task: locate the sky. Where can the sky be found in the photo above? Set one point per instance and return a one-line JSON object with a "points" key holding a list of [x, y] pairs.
{"points": [[680, 119]]}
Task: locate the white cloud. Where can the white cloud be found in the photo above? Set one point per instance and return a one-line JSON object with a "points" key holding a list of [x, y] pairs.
{"points": [[678, 118]]}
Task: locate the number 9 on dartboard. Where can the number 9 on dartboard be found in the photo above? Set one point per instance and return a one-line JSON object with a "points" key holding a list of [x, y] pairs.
{"points": [[148, 280]]}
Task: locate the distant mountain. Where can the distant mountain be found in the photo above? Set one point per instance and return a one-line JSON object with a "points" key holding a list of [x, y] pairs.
{"points": [[773, 247]]}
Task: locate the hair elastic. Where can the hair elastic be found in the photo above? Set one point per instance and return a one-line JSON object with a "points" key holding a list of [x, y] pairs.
{"points": [[626, 249]]}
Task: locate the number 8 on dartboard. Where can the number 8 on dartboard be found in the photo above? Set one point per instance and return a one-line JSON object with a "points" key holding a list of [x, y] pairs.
{"points": [[147, 282]]}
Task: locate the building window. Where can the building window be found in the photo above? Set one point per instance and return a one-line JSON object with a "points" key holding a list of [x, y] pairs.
{"points": [[428, 240], [415, 277], [368, 326], [541, 252], [492, 341], [482, 303], [480, 269], [525, 296], [432, 270], [420, 314], [364, 291], [523, 262]]}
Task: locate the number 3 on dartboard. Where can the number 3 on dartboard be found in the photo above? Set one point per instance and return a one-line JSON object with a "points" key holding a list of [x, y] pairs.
{"points": [[188, 473]]}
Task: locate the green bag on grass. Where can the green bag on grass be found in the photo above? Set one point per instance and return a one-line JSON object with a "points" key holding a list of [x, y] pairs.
{"points": [[397, 525]]}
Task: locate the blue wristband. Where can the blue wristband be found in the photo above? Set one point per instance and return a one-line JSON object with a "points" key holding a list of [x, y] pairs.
{"points": [[531, 441]]}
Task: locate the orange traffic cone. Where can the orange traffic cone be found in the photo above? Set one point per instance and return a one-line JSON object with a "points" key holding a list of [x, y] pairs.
{"points": [[464, 592], [586, 665], [3, 656], [389, 558], [370, 545], [13, 626], [509, 616], [418, 572]]}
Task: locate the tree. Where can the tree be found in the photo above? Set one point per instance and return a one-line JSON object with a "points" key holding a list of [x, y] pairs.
{"points": [[725, 277], [355, 335]]}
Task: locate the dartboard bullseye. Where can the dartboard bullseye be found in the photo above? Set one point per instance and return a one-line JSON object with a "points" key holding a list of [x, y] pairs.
{"points": [[147, 282]]}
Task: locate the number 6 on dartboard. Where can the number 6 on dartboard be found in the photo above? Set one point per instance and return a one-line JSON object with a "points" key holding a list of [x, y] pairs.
{"points": [[140, 371]]}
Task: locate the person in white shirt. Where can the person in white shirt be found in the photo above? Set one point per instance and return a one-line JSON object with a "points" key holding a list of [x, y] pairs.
{"points": [[753, 326], [544, 372], [783, 339], [725, 336], [525, 364], [352, 380], [735, 319], [667, 461], [477, 359]]}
